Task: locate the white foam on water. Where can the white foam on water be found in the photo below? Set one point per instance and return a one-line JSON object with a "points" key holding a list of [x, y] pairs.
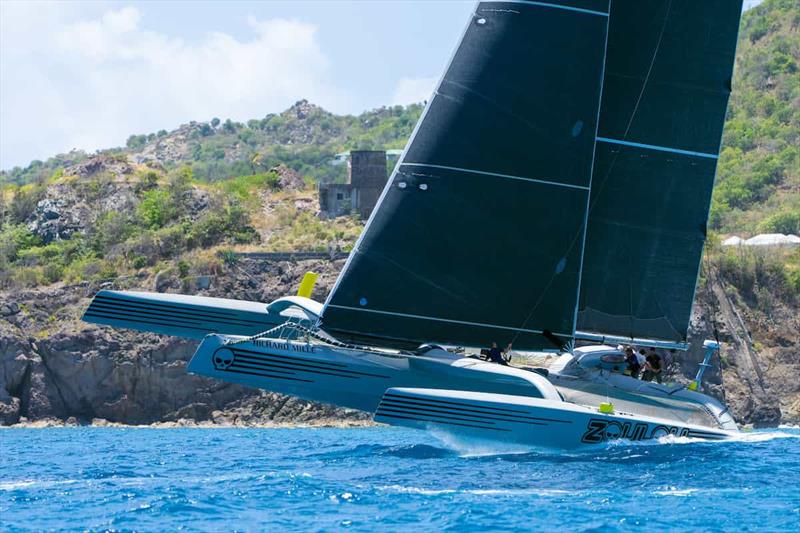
{"points": [[520, 492], [470, 447], [400, 489], [762, 436], [23, 484], [744, 436], [673, 491], [14, 485], [466, 446]]}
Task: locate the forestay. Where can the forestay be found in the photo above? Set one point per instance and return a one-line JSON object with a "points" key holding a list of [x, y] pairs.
{"points": [[667, 81], [478, 236]]}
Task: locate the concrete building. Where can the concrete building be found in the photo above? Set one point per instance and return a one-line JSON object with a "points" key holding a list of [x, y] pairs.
{"points": [[366, 177]]}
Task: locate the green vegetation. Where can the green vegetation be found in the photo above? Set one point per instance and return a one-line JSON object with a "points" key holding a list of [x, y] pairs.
{"points": [[294, 229], [165, 226], [762, 277], [758, 180], [245, 188]]}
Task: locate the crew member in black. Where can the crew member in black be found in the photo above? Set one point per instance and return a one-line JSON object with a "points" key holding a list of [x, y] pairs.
{"points": [[496, 355], [633, 362], [652, 367]]}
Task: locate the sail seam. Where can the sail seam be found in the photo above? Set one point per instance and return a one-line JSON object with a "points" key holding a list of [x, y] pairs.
{"points": [[497, 175], [657, 148], [422, 317], [555, 6]]}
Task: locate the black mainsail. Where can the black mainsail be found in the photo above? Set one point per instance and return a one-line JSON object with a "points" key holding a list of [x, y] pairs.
{"points": [[667, 80], [478, 235], [559, 179]]}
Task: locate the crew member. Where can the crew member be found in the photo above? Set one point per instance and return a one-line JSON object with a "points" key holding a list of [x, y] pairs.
{"points": [[633, 362], [496, 355], [652, 367]]}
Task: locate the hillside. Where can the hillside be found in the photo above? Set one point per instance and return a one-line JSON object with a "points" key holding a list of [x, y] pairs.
{"points": [[305, 137], [758, 180]]}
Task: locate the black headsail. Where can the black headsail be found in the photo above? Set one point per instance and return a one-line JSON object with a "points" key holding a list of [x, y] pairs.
{"points": [[667, 81], [478, 236]]}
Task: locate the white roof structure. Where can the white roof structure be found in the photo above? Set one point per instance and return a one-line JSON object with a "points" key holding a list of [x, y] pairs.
{"points": [[733, 241], [772, 239]]}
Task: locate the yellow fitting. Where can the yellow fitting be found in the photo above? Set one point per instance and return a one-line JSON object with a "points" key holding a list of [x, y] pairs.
{"points": [[307, 285], [606, 408], [692, 385]]}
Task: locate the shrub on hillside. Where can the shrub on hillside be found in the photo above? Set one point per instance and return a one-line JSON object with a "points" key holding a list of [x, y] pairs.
{"points": [[156, 209], [15, 239], [783, 222], [760, 276], [109, 229], [90, 268], [23, 203], [245, 188], [229, 222]]}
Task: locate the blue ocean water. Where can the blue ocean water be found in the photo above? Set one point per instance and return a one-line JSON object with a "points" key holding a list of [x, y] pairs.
{"points": [[386, 479]]}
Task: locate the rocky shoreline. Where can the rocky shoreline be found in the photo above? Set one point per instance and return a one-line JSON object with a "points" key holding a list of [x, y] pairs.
{"points": [[57, 370], [184, 423]]}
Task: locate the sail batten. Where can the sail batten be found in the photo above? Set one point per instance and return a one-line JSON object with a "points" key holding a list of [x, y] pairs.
{"points": [[497, 175], [575, 6], [657, 148], [438, 319]]}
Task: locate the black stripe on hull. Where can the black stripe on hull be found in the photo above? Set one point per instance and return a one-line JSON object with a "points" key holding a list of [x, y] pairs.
{"points": [[397, 405], [118, 318], [494, 411], [150, 304], [159, 311], [704, 435], [296, 359]]}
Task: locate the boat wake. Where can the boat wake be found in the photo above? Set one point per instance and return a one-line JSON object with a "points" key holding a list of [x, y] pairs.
{"points": [[466, 447]]}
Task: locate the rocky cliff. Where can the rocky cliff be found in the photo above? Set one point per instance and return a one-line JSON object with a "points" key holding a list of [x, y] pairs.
{"points": [[53, 366]]}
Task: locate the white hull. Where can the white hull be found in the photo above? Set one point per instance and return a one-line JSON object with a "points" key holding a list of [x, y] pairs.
{"points": [[443, 392]]}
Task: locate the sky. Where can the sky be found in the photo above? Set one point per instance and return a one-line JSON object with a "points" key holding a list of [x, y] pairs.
{"points": [[89, 74]]}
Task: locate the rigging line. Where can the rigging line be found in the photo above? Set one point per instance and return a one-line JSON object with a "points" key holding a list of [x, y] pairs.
{"points": [[649, 69], [714, 303], [710, 293], [603, 182]]}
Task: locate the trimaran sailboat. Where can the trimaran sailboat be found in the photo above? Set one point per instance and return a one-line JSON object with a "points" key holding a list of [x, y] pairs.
{"points": [[555, 192]]}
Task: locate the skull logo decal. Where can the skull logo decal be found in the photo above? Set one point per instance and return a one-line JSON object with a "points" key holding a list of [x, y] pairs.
{"points": [[223, 358]]}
